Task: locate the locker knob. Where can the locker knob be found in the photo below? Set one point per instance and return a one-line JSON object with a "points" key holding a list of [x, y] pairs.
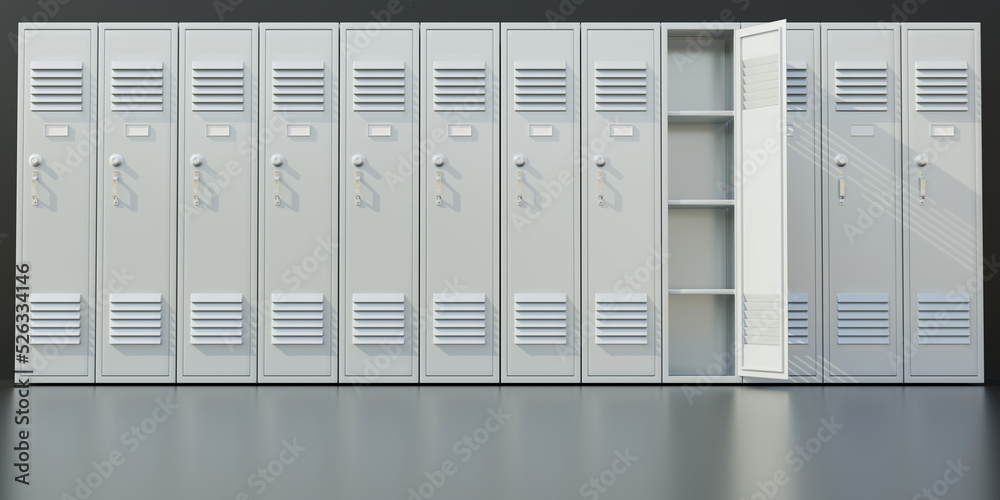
{"points": [[840, 160], [277, 160], [520, 160], [921, 160], [358, 160], [197, 160], [600, 160], [35, 160], [438, 160], [116, 160]]}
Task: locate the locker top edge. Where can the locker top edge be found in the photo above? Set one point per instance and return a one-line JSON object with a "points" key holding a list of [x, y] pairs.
{"points": [[218, 26], [459, 26], [23, 26], [308, 26], [620, 26], [942, 26], [381, 26], [137, 26], [540, 26]]}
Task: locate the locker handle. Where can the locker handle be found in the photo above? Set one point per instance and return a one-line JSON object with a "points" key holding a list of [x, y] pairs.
{"points": [[197, 175], [923, 188], [520, 188], [277, 182], [600, 188], [34, 187], [114, 188], [842, 188], [357, 188], [437, 179]]}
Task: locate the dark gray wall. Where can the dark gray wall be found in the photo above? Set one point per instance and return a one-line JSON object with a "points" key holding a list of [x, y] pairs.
{"points": [[15, 11]]}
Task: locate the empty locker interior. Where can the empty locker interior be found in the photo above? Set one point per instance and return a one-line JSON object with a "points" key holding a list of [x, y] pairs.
{"points": [[622, 258], [541, 203], [942, 199], [459, 196], [379, 225], [137, 203], [55, 198], [217, 203], [298, 202]]}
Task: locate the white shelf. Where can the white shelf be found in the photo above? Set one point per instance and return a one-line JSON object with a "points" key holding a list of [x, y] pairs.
{"points": [[701, 203], [701, 291], [700, 116]]}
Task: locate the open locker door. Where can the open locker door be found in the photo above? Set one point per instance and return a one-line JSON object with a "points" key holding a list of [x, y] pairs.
{"points": [[761, 280]]}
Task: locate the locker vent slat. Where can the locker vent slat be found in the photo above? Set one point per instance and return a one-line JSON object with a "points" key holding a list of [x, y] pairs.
{"points": [[216, 318], [942, 85], [459, 86], [378, 318], [135, 318], [762, 319], [862, 86], [621, 319], [217, 86], [797, 86], [620, 86], [460, 318], [540, 318], [54, 318], [379, 86], [761, 81], [863, 318], [297, 318], [540, 86], [944, 318], [56, 86], [798, 318], [136, 86], [298, 86]]}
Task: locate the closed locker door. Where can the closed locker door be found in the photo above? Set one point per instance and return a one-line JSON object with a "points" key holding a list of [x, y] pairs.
{"points": [[217, 193], [862, 203], [459, 205], [298, 202], [621, 202], [379, 213], [804, 203], [541, 203], [137, 203], [942, 201], [56, 207]]}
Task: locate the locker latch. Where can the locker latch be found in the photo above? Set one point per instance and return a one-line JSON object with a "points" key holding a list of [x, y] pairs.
{"points": [[277, 182], [437, 178], [34, 187], [600, 188], [357, 188], [842, 190], [114, 188], [197, 175], [520, 188], [923, 188]]}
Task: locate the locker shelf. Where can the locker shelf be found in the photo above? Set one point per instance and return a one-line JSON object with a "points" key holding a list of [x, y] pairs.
{"points": [[700, 116], [702, 291], [701, 203]]}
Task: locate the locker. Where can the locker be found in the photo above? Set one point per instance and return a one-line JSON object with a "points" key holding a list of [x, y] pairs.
{"points": [[862, 205], [942, 200], [298, 202], [621, 202], [217, 200], [56, 118], [379, 210], [137, 203], [459, 214], [540, 172]]}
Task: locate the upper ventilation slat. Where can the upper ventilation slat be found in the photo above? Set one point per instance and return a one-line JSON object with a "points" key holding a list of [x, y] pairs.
{"points": [[298, 86], [620, 86], [217, 86], [942, 86], [862, 86], [375, 85], [56, 86]]}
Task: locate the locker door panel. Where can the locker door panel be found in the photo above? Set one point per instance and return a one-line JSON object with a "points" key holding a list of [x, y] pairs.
{"points": [[379, 223], [137, 175], [762, 285], [298, 202], [541, 202], [621, 202], [459, 203], [218, 199], [942, 199], [862, 202], [56, 206]]}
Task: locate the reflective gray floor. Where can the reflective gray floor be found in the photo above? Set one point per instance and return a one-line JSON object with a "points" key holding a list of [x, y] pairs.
{"points": [[525, 443]]}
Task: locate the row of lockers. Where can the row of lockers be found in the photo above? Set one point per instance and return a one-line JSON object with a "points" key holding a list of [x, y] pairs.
{"points": [[501, 203]]}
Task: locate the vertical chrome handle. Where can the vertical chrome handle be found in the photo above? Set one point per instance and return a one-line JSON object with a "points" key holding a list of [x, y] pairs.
{"points": [[520, 188], [197, 175], [277, 182], [923, 188], [114, 188], [843, 191], [357, 188], [437, 179], [34, 187], [841, 161], [600, 188]]}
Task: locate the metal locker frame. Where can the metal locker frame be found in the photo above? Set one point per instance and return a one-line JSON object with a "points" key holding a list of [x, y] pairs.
{"points": [[508, 321], [277, 128], [88, 160], [141, 298], [185, 194], [831, 373], [910, 299], [410, 296], [457, 288]]}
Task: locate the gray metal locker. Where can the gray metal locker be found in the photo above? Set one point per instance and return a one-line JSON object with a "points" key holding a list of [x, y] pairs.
{"points": [[942, 203], [621, 202], [137, 203], [861, 221], [379, 210], [540, 202], [298, 164], [459, 224], [56, 118], [217, 193]]}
